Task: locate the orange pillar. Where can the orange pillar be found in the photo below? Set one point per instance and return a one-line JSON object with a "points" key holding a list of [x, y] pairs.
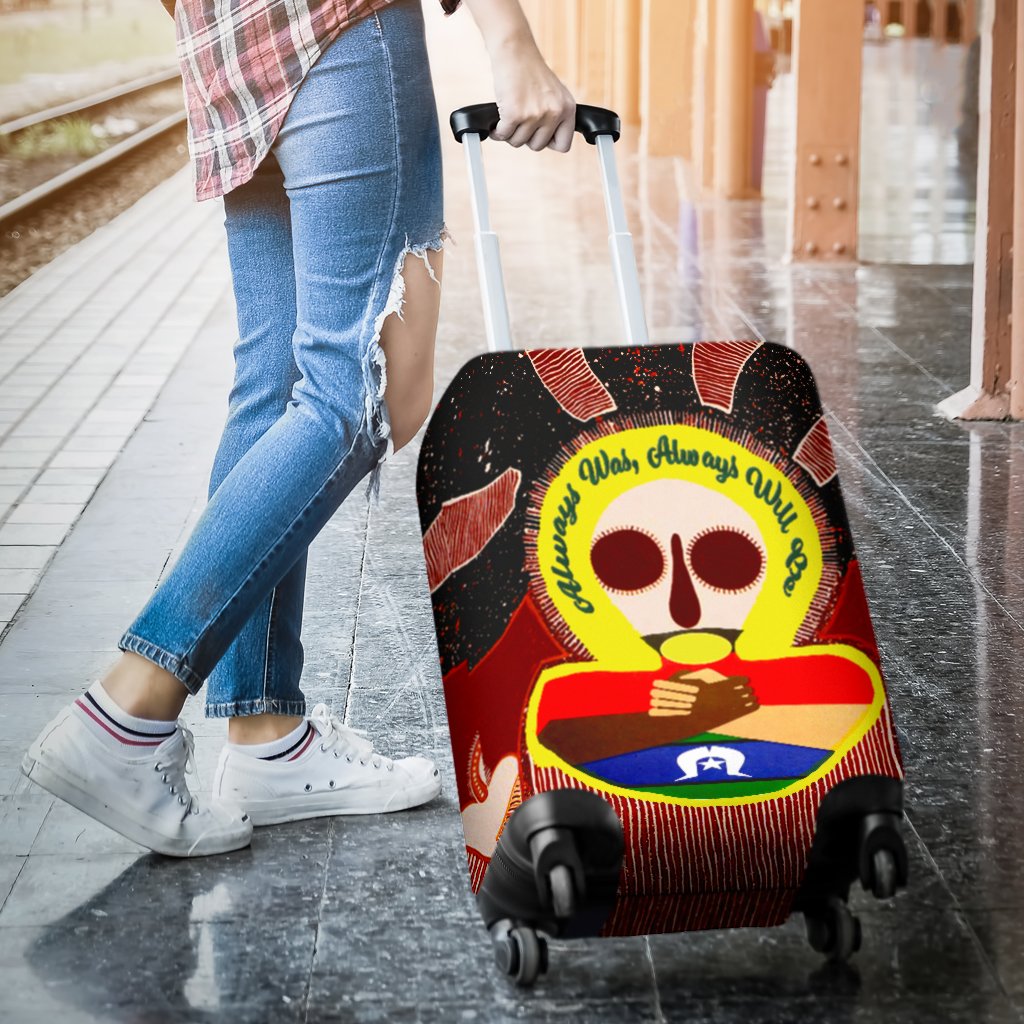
{"points": [[574, 63], [595, 65], [968, 21], [703, 116], [734, 98], [992, 340], [626, 28], [608, 67], [539, 16], [566, 40], [940, 20], [827, 73], [666, 99], [555, 35], [1017, 323]]}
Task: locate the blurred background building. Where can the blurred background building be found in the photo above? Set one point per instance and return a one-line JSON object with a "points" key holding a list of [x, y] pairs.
{"points": [[893, 138]]}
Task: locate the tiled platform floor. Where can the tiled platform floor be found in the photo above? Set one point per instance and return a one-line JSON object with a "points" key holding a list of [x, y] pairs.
{"points": [[371, 920]]}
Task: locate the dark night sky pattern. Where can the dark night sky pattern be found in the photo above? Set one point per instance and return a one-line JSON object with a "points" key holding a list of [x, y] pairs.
{"points": [[496, 414]]}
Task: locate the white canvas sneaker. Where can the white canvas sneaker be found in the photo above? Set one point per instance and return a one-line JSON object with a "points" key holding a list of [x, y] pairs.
{"points": [[335, 771], [144, 798]]}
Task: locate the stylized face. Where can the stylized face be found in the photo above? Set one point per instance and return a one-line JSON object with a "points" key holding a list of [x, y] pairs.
{"points": [[675, 556]]}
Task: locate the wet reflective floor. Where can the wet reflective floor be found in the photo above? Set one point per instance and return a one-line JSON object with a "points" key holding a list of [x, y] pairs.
{"points": [[363, 919]]}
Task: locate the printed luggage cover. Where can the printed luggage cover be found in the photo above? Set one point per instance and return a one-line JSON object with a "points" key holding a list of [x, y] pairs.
{"points": [[644, 584]]}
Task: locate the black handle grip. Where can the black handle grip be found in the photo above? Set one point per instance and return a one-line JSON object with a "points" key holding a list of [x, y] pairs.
{"points": [[482, 119]]}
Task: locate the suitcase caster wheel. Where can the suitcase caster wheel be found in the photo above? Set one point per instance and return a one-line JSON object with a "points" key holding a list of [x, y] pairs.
{"points": [[563, 892], [522, 955], [883, 874], [834, 931]]}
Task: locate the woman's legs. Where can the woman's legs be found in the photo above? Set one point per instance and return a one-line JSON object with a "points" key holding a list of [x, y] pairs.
{"points": [[360, 156], [258, 222], [141, 686], [266, 656], [264, 662]]}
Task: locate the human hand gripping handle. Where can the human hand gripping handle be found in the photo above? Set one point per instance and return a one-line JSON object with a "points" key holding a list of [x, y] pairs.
{"points": [[536, 109], [599, 127], [483, 119]]}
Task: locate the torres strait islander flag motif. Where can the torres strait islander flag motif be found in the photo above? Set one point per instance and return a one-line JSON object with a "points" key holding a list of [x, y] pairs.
{"points": [[644, 584]]}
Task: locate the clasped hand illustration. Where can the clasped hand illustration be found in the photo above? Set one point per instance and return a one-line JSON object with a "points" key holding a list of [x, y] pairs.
{"points": [[693, 693], [695, 680]]}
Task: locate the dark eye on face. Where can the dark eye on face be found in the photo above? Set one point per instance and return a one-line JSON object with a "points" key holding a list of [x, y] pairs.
{"points": [[627, 560], [726, 559]]}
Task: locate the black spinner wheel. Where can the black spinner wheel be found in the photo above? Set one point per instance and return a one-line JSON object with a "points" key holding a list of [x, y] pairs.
{"points": [[884, 874], [834, 931], [563, 892], [521, 954]]}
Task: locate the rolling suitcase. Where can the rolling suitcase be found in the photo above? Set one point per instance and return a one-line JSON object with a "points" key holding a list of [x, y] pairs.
{"points": [[664, 695]]}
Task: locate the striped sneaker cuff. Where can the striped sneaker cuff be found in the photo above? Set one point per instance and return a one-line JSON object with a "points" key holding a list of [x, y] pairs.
{"points": [[297, 749], [97, 709], [287, 748]]}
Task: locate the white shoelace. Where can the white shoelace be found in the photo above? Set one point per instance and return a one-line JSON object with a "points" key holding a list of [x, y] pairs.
{"points": [[353, 743], [174, 767]]}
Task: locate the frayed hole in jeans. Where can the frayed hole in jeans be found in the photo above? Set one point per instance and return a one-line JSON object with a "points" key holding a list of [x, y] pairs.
{"points": [[374, 362]]}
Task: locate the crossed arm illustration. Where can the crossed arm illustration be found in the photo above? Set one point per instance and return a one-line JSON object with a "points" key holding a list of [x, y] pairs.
{"points": [[687, 703]]}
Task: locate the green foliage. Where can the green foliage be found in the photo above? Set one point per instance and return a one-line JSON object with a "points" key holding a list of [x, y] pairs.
{"points": [[70, 136]]}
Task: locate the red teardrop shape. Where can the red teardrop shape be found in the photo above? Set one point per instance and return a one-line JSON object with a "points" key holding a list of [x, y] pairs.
{"points": [[683, 603]]}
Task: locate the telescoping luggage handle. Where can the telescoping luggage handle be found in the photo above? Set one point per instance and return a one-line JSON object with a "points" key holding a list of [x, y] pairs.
{"points": [[599, 127]]}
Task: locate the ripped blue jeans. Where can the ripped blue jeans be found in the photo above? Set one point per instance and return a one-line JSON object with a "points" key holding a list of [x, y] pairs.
{"points": [[317, 240]]}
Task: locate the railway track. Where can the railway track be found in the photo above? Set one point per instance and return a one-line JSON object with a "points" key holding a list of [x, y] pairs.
{"points": [[39, 195]]}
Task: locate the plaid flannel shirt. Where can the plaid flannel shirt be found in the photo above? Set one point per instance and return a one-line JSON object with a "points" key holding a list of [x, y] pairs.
{"points": [[242, 62]]}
